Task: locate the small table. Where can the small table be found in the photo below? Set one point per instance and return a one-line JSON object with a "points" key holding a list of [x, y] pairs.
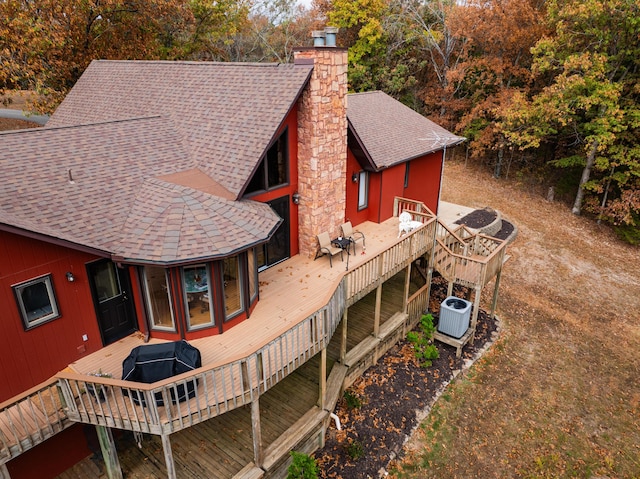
{"points": [[344, 244]]}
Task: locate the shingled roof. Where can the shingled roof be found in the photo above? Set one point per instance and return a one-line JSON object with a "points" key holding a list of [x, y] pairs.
{"points": [[389, 132], [227, 113], [104, 186]]}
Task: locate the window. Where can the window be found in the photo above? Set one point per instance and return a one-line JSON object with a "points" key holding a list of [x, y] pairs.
{"points": [[406, 175], [36, 301], [232, 286], [273, 170], [158, 299], [198, 297], [363, 190], [253, 274]]}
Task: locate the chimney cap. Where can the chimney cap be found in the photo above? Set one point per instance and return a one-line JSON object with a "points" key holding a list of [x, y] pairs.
{"points": [[331, 30]]}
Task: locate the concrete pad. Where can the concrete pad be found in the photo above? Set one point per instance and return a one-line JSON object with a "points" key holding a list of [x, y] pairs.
{"points": [[449, 213]]}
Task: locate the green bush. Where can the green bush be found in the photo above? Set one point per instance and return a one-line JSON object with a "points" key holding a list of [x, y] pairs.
{"points": [[302, 466], [425, 351], [353, 401], [355, 449]]}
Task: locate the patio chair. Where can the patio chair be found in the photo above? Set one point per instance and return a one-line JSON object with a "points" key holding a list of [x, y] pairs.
{"points": [[354, 236], [327, 248]]}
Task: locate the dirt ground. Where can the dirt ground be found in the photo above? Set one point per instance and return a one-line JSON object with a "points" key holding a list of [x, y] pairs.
{"points": [[558, 395]]}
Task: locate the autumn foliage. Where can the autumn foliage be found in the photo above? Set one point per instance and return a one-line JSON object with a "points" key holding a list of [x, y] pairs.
{"points": [[547, 90]]}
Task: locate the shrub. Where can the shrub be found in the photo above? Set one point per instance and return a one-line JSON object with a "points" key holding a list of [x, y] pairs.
{"points": [[425, 351], [355, 449], [353, 401], [302, 466]]}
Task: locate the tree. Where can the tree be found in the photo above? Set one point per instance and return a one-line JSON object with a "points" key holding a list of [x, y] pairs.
{"points": [[591, 102], [46, 45], [494, 65]]}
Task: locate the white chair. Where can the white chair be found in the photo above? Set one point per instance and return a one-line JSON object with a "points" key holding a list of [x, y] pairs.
{"points": [[327, 248], [354, 236]]}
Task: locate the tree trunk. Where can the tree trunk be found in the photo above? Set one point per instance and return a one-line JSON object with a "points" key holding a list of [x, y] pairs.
{"points": [[586, 173]]}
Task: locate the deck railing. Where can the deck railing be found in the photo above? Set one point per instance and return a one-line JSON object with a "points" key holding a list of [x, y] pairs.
{"points": [[222, 387], [465, 258], [215, 388], [31, 418]]}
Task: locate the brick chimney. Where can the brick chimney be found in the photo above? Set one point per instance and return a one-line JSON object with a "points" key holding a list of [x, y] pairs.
{"points": [[322, 141]]}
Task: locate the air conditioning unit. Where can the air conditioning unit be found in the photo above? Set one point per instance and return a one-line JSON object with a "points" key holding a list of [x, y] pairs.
{"points": [[455, 314]]}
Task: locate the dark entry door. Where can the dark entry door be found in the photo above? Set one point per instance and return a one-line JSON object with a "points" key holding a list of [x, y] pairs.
{"points": [[111, 288], [277, 249]]}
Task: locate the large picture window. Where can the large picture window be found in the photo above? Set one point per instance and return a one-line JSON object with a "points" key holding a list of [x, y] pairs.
{"points": [[232, 287], [197, 291], [158, 300], [36, 301], [273, 170]]}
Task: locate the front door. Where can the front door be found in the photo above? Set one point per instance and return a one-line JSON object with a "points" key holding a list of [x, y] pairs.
{"points": [[111, 290], [277, 249]]}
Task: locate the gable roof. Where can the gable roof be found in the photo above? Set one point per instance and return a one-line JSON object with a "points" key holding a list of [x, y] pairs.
{"points": [[101, 186], [227, 113], [388, 132]]}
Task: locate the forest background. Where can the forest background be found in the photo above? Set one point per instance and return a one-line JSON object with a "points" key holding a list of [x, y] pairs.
{"points": [[544, 91]]}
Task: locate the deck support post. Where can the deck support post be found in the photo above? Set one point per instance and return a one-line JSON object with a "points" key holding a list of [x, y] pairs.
{"points": [[476, 309], [4, 472], [376, 320], [494, 302], [109, 453], [168, 456], [343, 340], [450, 289], [256, 432], [407, 283], [322, 400]]}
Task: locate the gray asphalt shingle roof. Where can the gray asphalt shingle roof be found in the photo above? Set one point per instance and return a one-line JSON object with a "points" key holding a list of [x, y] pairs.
{"points": [[391, 132], [96, 185], [227, 113]]}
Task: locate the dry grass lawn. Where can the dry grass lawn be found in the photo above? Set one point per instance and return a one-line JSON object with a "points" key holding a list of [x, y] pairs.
{"points": [[559, 394]]}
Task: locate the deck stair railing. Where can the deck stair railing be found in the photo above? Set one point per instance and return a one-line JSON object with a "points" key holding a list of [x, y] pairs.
{"points": [[31, 418], [466, 258]]}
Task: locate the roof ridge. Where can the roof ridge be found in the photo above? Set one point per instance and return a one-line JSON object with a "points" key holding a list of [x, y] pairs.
{"points": [[198, 63]]}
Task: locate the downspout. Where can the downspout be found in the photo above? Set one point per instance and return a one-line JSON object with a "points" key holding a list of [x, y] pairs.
{"points": [[444, 154], [337, 421]]}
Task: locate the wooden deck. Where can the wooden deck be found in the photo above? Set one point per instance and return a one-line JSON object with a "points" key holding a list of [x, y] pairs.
{"points": [[305, 282], [269, 359], [220, 447]]}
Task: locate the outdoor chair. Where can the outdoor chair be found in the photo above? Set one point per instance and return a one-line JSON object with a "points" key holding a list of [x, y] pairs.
{"points": [[354, 236], [327, 248]]}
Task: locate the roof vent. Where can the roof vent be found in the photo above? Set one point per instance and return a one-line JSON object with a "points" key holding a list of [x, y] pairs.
{"points": [[330, 35], [318, 38]]}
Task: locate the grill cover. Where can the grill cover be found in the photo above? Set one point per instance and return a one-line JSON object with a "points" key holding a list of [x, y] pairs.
{"points": [[154, 362]]}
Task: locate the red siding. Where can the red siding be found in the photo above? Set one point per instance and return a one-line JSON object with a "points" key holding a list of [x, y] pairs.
{"points": [[30, 357], [291, 123], [55, 455], [425, 174], [424, 185]]}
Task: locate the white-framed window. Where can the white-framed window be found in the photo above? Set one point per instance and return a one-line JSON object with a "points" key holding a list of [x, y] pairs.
{"points": [[158, 298], [233, 287], [198, 296], [363, 190], [36, 301]]}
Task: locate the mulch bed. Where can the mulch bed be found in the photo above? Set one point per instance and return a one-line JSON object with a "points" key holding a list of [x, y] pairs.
{"points": [[478, 218], [392, 394]]}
